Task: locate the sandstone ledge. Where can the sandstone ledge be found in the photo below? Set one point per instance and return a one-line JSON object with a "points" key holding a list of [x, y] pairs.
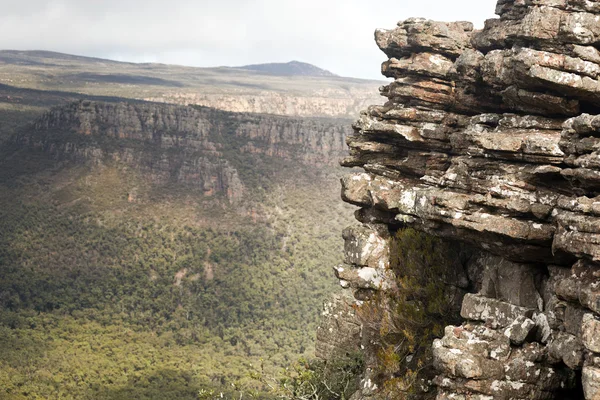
{"points": [[492, 138]]}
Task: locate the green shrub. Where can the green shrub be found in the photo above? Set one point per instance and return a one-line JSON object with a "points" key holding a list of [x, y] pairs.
{"points": [[406, 319], [334, 379]]}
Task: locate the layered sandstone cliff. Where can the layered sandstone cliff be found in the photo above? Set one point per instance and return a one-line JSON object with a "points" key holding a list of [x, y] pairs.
{"points": [[195, 146], [491, 139], [329, 102]]}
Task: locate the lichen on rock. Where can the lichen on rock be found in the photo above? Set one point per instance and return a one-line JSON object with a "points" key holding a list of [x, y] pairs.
{"points": [[491, 139]]}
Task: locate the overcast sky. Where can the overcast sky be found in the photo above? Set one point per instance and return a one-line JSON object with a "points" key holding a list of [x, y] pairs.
{"points": [[333, 34]]}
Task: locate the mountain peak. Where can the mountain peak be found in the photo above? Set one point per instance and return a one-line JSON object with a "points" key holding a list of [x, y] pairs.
{"points": [[292, 68]]}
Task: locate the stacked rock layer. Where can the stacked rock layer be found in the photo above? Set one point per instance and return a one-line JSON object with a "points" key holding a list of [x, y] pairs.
{"points": [[491, 138], [195, 146]]}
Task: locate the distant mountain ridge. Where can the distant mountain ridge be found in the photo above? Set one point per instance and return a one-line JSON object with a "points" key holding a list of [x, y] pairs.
{"points": [[41, 57], [294, 89], [292, 68]]}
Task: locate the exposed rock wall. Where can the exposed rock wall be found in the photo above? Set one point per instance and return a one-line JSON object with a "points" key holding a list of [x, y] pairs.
{"points": [[315, 140], [323, 103], [339, 329], [491, 138], [189, 145]]}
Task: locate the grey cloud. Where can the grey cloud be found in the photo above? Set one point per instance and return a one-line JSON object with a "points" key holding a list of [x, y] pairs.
{"points": [[333, 34]]}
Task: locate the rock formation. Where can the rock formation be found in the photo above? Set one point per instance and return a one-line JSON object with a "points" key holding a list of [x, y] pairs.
{"points": [[325, 102], [188, 145], [491, 138]]}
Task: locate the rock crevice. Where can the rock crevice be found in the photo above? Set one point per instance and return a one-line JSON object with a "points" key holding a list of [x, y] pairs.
{"points": [[491, 138]]}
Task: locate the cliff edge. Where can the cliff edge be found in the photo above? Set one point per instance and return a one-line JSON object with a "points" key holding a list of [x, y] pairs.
{"points": [[490, 142], [217, 151]]}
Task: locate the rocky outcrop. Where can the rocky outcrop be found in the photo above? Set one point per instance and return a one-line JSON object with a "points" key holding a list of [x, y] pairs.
{"points": [[326, 102], [188, 145], [339, 329], [490, 138]]}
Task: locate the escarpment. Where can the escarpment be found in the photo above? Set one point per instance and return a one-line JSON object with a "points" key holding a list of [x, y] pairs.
{"points": [[327, 102], [195, 146], [489, 140]]}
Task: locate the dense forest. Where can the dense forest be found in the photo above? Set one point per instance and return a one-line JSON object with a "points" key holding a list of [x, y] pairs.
{"points": [[114, 287]]}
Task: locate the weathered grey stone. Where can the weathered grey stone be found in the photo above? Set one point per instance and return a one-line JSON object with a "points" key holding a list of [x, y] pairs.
{"points": [[415, 34], [519, 330], [482, 141], [498, 313], [458, 363], [369, 278], [467, 66], [591, 383], [453, 396], [355, 189], [477, 340], [339, 329], [525, 367], [538, 103], [573, 318], [510, 282], [366, 246], [428, 64], [471, 354], [566, 348], [523, 374], [543, 327], [590, 333], [582, 285]]}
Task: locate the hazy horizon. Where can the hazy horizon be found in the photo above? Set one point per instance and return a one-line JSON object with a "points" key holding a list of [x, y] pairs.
{"points": [[381, 78], [336, 36]]}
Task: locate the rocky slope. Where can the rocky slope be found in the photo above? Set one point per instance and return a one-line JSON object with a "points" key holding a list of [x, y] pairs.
{"points": [[197, 146], [490, 138]]}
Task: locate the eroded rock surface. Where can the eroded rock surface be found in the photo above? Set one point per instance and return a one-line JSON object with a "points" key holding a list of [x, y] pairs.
{"points": [[195, 146], [340, 328], [492, 138]]}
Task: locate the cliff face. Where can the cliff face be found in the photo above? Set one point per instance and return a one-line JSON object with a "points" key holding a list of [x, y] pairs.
{"points": [[190, 145], [490, 138], [322, 103]]}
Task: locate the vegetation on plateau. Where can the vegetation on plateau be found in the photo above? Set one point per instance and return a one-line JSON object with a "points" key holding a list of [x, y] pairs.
{"points": [[114, 288]]}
